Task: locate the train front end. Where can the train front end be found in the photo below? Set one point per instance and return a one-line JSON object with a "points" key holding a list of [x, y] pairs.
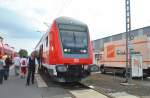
{"points": [[75, 55]]}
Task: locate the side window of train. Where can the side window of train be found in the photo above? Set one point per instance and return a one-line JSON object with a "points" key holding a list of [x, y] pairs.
{"points": [[47, 41]]}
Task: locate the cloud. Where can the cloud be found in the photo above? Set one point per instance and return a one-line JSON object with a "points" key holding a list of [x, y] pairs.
{"points": [[28, 44], [21, 19], [16, 25]]}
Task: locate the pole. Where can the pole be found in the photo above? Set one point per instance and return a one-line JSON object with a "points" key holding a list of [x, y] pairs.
{"points": [[128, 28]]}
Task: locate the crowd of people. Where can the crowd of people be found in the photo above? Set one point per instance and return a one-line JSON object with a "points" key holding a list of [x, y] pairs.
{"points": [[24, 67], [5, 63]]}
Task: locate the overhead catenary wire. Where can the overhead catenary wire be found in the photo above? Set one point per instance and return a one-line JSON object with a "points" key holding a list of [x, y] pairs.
{"points": [[65, 4]]}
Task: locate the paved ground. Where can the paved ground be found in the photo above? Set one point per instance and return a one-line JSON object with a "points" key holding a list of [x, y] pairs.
{"points": [[77, 90], [110, 85], [15, 88], [88, 93]]}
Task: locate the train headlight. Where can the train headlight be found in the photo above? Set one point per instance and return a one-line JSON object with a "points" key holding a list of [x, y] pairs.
{"points": [[67, 50], [61, 68], [83, 51]]}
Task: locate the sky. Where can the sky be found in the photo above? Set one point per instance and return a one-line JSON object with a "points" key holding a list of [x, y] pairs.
{"points": [[23, 22]]}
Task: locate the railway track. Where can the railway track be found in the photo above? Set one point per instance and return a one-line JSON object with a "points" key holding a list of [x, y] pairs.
{"points": [[84, 90], [77, 89]]}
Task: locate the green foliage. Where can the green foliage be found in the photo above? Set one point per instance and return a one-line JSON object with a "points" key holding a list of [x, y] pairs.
{"points": [[23, 53]]}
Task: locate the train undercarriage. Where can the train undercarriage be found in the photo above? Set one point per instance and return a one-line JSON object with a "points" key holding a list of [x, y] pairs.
{"points": [[68, 73]]}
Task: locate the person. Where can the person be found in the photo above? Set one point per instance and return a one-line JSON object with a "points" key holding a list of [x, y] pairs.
{"points": [[2, 63], [16, 61], [8, 63], [32, 62], [23, 62]]}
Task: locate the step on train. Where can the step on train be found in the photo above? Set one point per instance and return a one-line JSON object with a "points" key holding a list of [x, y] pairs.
{"points": [[65, 51]]}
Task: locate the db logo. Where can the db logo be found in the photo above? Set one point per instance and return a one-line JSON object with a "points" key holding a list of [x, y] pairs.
{"points": [[76, 60]]}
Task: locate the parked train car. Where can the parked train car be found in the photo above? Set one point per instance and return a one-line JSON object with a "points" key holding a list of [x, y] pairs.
{"points": [[115, 54], [1, 48], [112, 58], [6, 49], [65, 50]]}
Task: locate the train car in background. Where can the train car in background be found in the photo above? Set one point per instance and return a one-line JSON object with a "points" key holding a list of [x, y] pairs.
{"points": [[6, 49], [115, 55], [65, 51], [9, 50], [112, 55], [1, 48]]}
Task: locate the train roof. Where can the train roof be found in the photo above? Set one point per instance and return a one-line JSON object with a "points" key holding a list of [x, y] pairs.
{"points": [[68, 20], [62, 20]]}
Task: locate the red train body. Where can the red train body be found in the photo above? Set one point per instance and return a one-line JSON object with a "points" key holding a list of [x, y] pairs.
{"points": [[1, 49], [6, 49], [65, 50]]}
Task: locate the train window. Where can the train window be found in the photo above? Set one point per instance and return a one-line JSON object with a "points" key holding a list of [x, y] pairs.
{"points": [[67, 39], [81, 39], [74, 39], [73, 27], [76, 42], [47, 41]]}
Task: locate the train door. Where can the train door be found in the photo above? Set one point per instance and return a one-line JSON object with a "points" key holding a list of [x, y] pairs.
{"points": [[137, 69], [41, 55]]}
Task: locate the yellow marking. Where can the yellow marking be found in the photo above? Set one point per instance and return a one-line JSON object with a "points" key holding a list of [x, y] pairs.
{"points": [[89, 93], [40, 81]]}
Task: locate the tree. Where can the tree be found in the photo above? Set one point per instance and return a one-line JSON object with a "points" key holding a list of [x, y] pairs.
{"points": [[23, 53]]}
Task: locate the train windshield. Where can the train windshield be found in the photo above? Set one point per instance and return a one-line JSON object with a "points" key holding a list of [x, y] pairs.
{"points": [[74, 41]]}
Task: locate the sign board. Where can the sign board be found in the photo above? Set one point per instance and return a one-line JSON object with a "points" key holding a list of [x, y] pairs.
{"points": [[110, 51], [137, 69], [130, 45], [76, 60]]}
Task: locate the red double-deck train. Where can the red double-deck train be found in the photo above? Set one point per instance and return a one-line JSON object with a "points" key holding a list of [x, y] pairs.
{"points": [[6, 49], [65, 51]]}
